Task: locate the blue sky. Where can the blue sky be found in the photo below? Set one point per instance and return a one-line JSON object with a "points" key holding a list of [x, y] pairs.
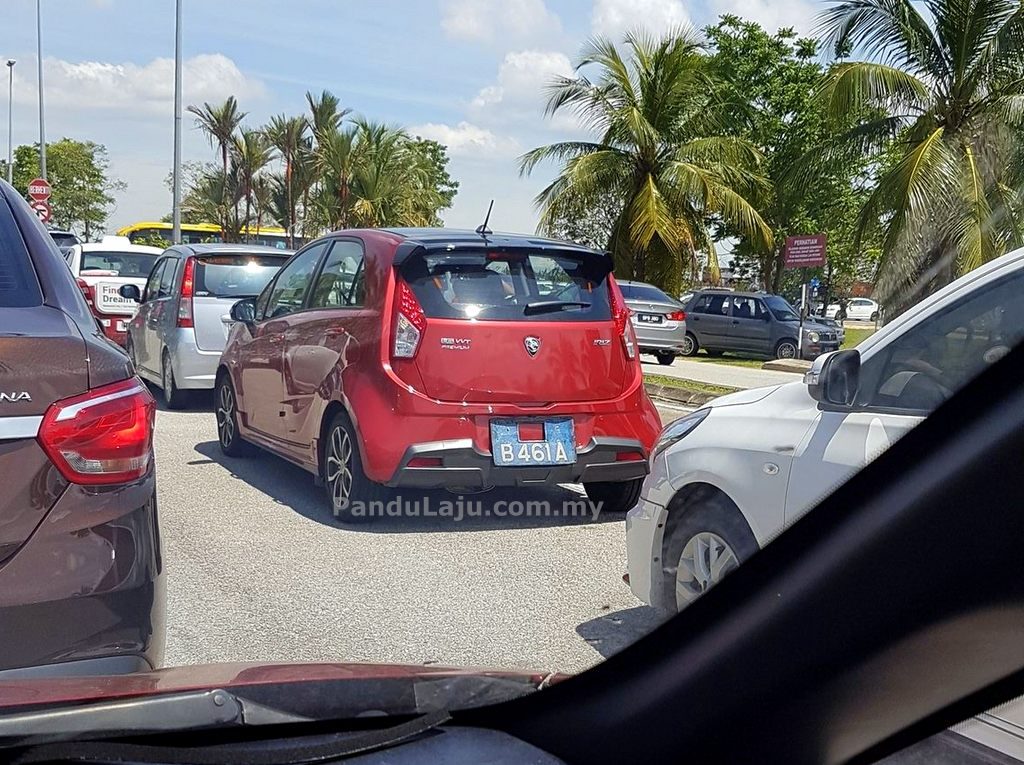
{"points": [[465, 72]]}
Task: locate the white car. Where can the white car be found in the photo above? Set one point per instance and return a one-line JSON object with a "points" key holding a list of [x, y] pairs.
{"points": [[857, 309], [728, 478], [101, 268]]}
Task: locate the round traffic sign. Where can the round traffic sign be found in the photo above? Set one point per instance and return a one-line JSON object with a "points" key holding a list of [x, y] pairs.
{"points": [[42, 210], [39, 190]]}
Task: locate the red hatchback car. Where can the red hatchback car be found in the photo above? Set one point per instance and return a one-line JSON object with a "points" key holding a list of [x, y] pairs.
{"points": [[433, 358]]}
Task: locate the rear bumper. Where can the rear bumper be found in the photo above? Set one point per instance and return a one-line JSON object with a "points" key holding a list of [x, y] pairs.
{"points": [[465, 466], [86, 592], [654, 338], [194, 369]]}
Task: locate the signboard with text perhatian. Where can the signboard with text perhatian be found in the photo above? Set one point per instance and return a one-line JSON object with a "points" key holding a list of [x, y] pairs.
{"points": [[805, 251]]}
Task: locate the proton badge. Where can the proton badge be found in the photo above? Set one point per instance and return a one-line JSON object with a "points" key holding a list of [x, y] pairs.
{"points": [[532, 345]]}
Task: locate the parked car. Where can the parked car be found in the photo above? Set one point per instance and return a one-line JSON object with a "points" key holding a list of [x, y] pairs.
{"points": [[101, 269], [491, 375], [658, 320], [81, 582], [857, 309], [179, 329], [832, 324], [754, 323]]}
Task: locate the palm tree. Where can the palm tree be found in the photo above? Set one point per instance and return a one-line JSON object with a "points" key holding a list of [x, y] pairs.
{"points": [[219, 123], [336, 157], [252, 153], [325, 112], [287, 135], [661, 151], [389, 185], [949, 97]]}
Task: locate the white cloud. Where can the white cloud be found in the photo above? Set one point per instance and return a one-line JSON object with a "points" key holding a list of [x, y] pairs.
{"points": [[498, 20], [614, 17], [518, 92], [468, 140], [145, 88], [772, 15]]}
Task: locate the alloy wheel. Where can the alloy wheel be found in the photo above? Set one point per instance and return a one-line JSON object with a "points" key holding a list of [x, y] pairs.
{"points": [[705, 560], [226, 415], [339, 467], [787, 351], [687, 346]]}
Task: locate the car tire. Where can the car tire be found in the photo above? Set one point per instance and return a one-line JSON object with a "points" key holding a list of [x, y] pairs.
{"points": [[174, 398], [614, 496], [709, 531], [690, 345], [348, 487], [665, 358], [786, 349], [713, 353], [226, 410]]}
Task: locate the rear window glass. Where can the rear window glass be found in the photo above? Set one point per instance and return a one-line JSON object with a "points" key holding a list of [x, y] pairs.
{"points": [[510, 286], [645, 292], [136, 264], [235, 275], [63, 240], [18, 285]]}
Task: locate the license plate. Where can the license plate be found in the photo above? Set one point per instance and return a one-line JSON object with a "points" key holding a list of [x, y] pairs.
{"points": [[557, 448], [650, 318]]}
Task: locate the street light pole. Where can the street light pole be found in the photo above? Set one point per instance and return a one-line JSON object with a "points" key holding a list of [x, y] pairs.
{"points": [[39, 59], [10, 119], [176, 182]]}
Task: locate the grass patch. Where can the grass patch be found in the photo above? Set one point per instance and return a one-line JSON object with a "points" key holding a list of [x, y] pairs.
{"points": [[689, 385], [855, 336]]}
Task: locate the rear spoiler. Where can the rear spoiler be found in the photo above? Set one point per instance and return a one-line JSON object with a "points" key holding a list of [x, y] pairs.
{"points": [[408, 249]]}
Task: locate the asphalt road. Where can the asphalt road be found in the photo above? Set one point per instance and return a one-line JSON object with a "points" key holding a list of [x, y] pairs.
{"points": [[259, 570]]}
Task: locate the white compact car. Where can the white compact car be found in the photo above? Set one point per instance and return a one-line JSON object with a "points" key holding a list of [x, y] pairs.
{"points": [[728, 478], [857, 309]]}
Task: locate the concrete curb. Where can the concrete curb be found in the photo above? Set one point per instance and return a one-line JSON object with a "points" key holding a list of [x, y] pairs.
{"points": [[678, 395], [787, 365]]}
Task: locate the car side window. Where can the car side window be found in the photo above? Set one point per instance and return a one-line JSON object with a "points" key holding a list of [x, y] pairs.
{"points": [[293, 281], [743, 307], [760, 309], [700, 305], [153, 282], [718, 305], [263, 299], [340, 283], [167, 278], [928, 363]]}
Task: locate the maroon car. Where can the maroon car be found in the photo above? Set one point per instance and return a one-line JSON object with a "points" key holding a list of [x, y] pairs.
{"points": [[81, 588]]}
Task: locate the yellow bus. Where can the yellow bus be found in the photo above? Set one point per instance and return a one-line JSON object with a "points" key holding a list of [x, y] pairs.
{"points": [[197, 233]]}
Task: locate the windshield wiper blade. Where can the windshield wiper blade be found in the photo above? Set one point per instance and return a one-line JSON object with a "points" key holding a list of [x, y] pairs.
{"points": [[151, 714], [551, 306]]}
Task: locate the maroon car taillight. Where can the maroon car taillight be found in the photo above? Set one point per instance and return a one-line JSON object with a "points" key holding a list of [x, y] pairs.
{"points": [[188, 280], [86, 290], [676, 316], [620, 315], [101, 437], [410, 323]]}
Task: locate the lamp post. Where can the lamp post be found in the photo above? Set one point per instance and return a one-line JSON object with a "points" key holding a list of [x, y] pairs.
{"points": [[39, 59], [176, 181], [10, 119]]}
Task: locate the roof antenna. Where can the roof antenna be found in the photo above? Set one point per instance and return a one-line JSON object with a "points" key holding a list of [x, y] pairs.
{"points": [[482, 228]]}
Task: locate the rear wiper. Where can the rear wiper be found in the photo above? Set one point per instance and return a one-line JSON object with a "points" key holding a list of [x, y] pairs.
{"points": [[551, 306]]}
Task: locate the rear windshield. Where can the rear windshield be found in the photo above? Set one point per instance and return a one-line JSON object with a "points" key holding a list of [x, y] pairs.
{"points": [[510, 286], [137, 264], [235, 275], [645, 292], [18, 285], [63, 239]]}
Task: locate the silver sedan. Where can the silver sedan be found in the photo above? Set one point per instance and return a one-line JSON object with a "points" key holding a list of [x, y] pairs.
{"points": [[658, 320]]}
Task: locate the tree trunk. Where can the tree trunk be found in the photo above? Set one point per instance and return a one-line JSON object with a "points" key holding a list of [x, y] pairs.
{"points": [[288, 201], [224, 192]]}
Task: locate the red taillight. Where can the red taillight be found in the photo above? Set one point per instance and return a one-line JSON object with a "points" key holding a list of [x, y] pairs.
{"points": [[620, 315], [188, 276], [629, 457], [410, 322], [86, 290], [101, 437], [676, 316]]}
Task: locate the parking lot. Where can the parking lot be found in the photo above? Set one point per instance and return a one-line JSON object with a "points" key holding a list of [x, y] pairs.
{"points": [[258, 569]]}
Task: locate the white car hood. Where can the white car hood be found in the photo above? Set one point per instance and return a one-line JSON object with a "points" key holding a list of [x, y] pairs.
{"points": [[751, 396]]}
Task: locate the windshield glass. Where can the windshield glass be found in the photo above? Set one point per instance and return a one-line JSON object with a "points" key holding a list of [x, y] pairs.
{"points": [[235, 275], [781, 309], [423, 390], [136, 264]]}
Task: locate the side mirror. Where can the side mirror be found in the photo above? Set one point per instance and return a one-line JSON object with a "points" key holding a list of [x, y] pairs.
{"points": [[835, 378], [129, 292], [244, 311]]}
